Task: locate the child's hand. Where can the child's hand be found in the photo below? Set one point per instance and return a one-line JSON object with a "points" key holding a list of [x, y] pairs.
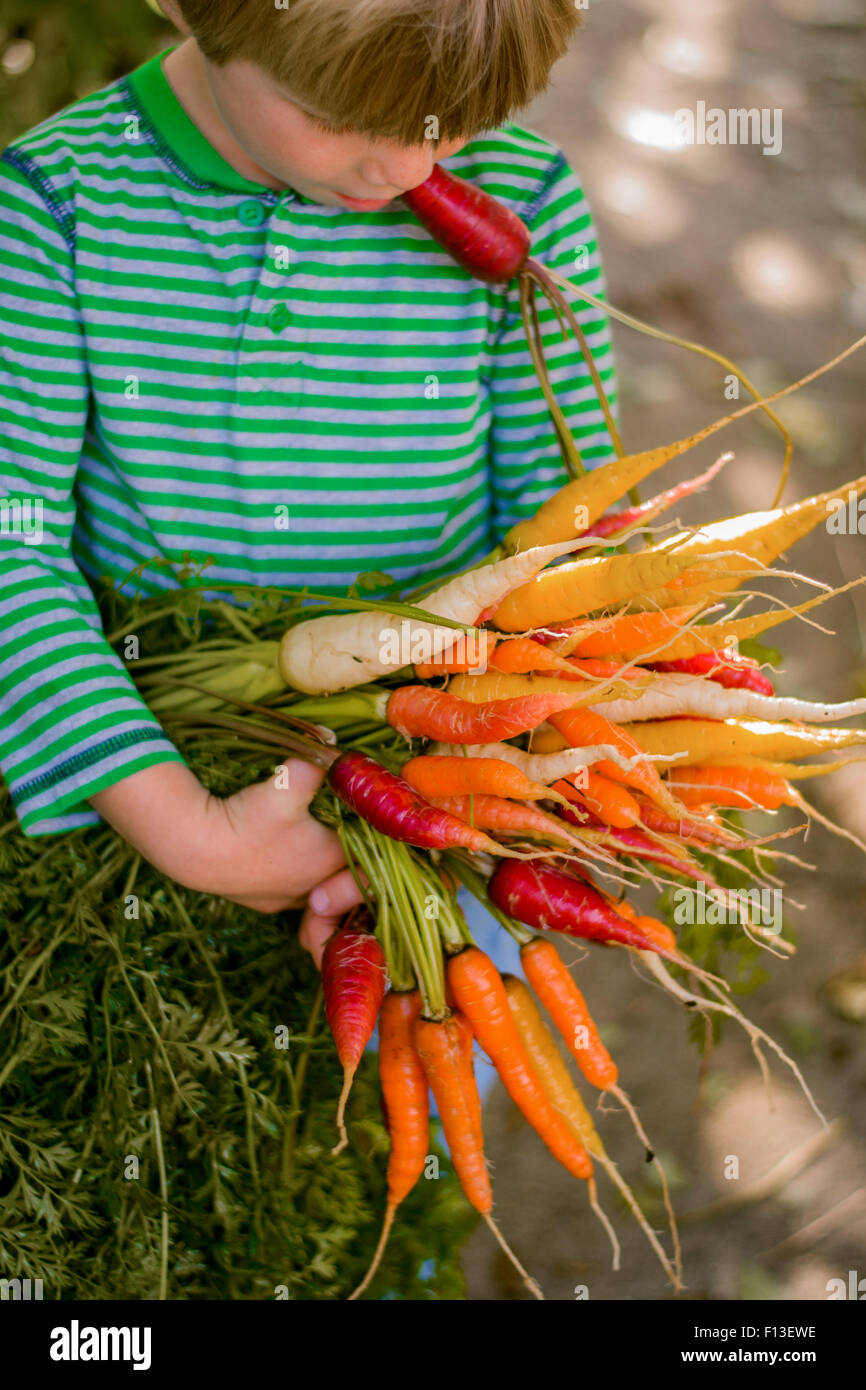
{"points": [[260, 848]]}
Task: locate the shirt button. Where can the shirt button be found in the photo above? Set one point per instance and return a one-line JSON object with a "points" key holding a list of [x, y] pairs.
{"points": [[253, 213], [278, 318]]}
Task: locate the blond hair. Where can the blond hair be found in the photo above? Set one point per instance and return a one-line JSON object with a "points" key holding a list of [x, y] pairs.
{"points": [[395, 69]]}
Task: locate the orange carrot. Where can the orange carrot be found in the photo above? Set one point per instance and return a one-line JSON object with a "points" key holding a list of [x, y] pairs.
{"points": [[404, 1095], [600, 670], [469, 653], [607, 800], [445, 1050], [551, 979], [658, 932], [584, 726], [520, 655], [743, 787], [481, 996], [441, 775], [507, 817], [417, 711], [631, 632]]}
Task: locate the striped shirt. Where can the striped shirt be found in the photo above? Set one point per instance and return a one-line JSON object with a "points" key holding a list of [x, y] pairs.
{"points": [[195, 365]]}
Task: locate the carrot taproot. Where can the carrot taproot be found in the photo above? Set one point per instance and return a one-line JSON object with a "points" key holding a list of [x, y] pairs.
{"points": [[505, 817], [687, 828], [728, 740], [606, 799], [639, 846], [441, 775], [470, 652], [353, 985], [672, 696], [745, 545], [418, 711], [625, 633], [733, 671], [546, 767], [549, 899], [563, 1094], [392, 806], [519, 655], [481, 998], [584, 726], [478, 689], [656, 931], [477, 231], [593, 669], [407, 1110], [445, 1051], [554, 984], [707, 563], [746, 788], [323, 655], [708, 637]]}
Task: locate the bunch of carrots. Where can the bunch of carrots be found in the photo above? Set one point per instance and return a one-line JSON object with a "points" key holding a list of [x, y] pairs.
{"points": [[577, 713]]}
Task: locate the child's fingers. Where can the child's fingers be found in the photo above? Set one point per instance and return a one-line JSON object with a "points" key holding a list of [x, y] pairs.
{"points": [[335, 895], [302, 780], [314, 933]]}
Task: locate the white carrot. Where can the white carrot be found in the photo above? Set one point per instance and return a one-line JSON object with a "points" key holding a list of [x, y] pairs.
{"points": [[678, 695], [323, 655]]}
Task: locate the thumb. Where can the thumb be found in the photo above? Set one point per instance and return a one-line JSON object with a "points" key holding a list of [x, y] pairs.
{"points": [[301, 780]]}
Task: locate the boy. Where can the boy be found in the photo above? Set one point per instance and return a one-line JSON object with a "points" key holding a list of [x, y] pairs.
{"points": [[215, 308]]}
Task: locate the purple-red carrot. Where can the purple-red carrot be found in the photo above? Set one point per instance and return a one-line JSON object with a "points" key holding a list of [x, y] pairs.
{"points": [[613, 522], [389, 804], [353, 984], [733, 672], [549, 899], [486, 238]]}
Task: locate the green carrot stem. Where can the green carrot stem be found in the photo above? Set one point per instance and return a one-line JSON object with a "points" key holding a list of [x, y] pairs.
{"points": [[676, 341], [477, 886], [570, 455]]}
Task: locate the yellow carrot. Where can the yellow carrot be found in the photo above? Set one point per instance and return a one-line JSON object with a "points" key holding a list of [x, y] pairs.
{"points": [[730, 740], [497, 685], [581, 502], [683, 569]]}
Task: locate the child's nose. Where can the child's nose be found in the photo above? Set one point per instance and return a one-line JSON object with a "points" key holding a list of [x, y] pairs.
{"points": [[402, 169]]}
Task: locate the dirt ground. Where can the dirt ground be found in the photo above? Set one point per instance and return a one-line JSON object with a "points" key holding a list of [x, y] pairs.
{"points": [[761, 257]]}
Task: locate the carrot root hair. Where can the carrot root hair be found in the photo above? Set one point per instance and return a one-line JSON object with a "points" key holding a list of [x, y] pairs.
{"points": [[652, 1157], [528, 1280], [348, 1078], [605, 1221], [390, 1213]]}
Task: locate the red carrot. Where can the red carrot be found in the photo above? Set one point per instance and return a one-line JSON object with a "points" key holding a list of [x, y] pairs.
{"points": [[353, 983], [482, 235], [549, 899], [390, 804], [733, 672], [614, 522], [686, 829], [417, 711]]}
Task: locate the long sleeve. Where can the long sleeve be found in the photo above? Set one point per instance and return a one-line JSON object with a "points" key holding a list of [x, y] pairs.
{"points": [[71, 720], [526, 464]]}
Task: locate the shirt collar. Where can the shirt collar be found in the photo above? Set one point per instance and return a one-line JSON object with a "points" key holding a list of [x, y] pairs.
{"points": [[179, 138]]}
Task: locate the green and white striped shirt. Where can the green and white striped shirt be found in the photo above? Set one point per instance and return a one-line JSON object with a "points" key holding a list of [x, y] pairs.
{"points": [[187, 359]]}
